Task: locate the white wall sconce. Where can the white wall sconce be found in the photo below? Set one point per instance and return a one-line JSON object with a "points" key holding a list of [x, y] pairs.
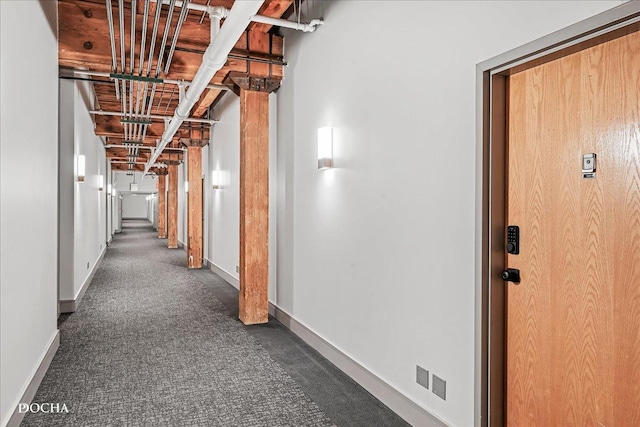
{"points": [[325, 147], [109, 189], [215, 180], [186, 186], [100, 182], [81, 167]]}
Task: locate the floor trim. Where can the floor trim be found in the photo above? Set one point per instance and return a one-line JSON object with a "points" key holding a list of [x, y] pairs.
{"points": [[407, 409], [32, 387], [223, 273], [71, 305], [396, 401]]}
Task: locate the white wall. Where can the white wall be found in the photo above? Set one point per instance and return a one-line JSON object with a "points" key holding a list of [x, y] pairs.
{"points": [[28, 195], [182, 203], [89, 200], [66, 189], [148, 184], [109, 200], [377, 254], [223, 234], [222, 231], [134, 206], [83, 205]]}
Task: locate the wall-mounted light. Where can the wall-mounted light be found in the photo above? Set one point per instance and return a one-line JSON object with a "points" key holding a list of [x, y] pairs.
{"points": [[186, 186], [215, 180], [81, 167], [325, 147], [109, 189], [100, 182]]}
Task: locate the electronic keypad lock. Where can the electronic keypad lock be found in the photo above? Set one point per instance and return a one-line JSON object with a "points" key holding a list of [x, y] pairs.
{"points": [[513, 240]]}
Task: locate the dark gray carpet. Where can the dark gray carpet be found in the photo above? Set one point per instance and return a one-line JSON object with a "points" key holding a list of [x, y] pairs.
{"points": [[341, 398], [152, 345]]}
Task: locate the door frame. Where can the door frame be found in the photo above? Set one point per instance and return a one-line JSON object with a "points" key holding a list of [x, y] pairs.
{"points": [[491, 115]]}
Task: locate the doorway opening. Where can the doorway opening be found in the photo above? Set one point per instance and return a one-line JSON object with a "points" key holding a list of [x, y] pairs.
{"points": [[494, 130]]}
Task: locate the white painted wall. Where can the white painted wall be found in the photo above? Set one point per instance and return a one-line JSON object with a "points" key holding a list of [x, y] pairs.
{"points": [[28, 195], [377, 255], [223, 235], [148, 184], [182, 203], [66, 188], [109, 201], [89, 200], [134, 206]]}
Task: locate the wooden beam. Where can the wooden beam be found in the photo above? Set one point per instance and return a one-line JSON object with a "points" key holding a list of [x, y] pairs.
{"points": [[273, 8], [172, 208], [194, 214], [254, 207], [162, 205]]}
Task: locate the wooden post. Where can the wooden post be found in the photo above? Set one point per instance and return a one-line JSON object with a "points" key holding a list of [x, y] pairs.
{"points": [[194, 222], [253, 88], [172, 207], [254, 206], [162, 204]]}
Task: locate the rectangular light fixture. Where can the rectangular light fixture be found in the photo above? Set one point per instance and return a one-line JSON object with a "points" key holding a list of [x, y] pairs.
{"points": [[325, 147], [109, 189], [186, 186], [215, 180], [81, 167], [100, 182]]}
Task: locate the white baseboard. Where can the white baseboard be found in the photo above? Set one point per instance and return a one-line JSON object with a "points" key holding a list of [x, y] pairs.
{"points": [[71, 305], [36, 379], [406, 408], [223, 273]]}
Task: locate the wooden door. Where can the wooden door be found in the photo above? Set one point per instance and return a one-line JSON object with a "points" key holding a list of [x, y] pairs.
{"points": [[573, 322]]}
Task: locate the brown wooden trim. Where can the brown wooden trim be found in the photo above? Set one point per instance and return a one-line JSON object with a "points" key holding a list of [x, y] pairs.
{"points": [[494, 175], [172, 207], [254, 207], [194, 207]]}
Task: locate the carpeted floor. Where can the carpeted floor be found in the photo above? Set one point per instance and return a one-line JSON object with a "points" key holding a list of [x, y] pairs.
{"points": [[154, 343]]}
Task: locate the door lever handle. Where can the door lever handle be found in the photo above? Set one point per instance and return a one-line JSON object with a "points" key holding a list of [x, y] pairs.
{"points": [[511, 275]]}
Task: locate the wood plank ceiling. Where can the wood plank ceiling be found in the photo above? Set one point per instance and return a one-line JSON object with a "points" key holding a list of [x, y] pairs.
{"points": [[85, 43]]}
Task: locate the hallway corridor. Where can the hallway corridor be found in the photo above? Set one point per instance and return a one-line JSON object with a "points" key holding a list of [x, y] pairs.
{"points": [[152, 345]]}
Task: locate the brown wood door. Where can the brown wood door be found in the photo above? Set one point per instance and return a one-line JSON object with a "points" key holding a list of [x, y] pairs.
{"points": [[573, 322]]}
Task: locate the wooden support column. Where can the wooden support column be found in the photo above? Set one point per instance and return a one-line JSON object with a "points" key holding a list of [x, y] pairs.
{"points": [[172, 207], [162, 204], [254, 207], [254, 88], [194, 215]]}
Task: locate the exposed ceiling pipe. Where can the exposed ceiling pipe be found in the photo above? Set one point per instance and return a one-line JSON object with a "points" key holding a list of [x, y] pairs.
{"points": [[155, 117], [132, 57], [145, 147], [164, 81], [112, 37], [300, 26], [213, 60], [143, 51], [156, 23], [122, 64], [309, 27]]}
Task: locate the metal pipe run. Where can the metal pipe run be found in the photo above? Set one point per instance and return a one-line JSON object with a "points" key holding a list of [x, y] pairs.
{"points": [[309, 27], [122, 63], [155, 117], [213, 60], [123, 76], [300, 26], [112, 37], [144, 147]]}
